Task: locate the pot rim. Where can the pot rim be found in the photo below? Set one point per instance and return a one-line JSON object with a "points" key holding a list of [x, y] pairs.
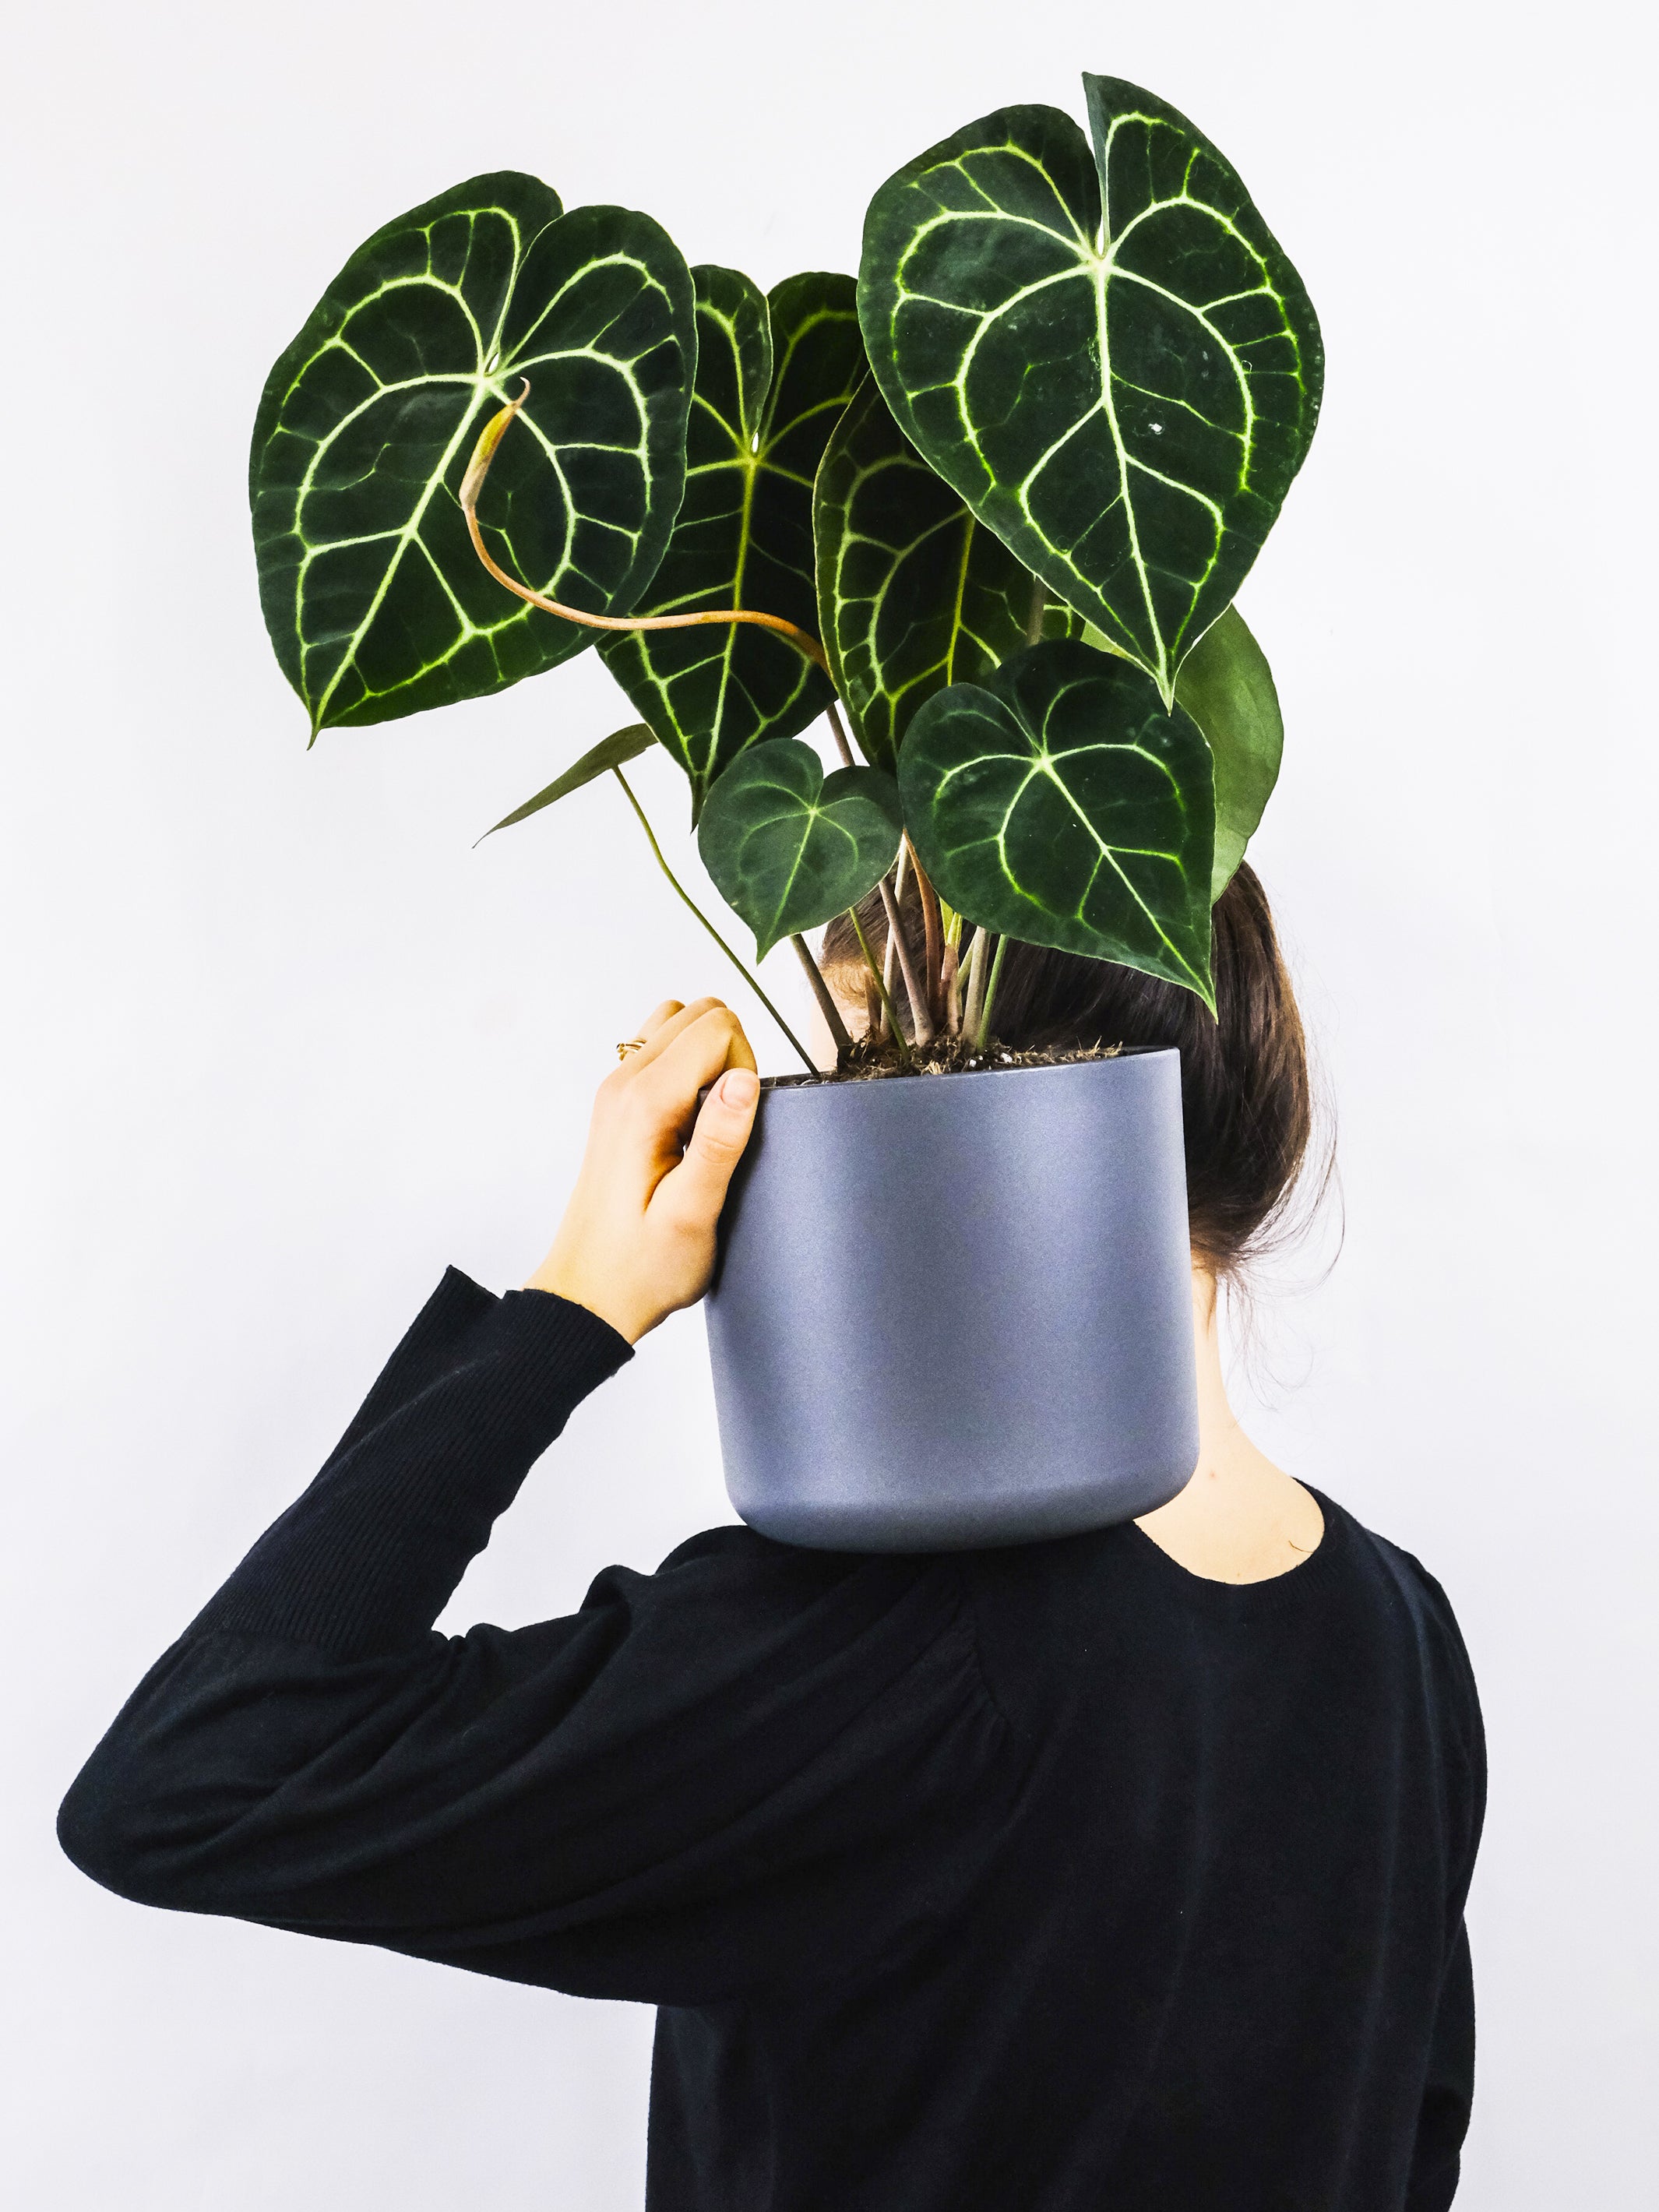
{"points": [[811, 1085]]}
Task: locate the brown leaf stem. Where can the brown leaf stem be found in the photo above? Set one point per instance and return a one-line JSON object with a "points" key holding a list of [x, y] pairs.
{"points": [[473, 483]]}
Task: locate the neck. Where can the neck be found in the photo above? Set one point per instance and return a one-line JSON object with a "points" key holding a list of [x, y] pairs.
{"points": [[1240, 1519]]}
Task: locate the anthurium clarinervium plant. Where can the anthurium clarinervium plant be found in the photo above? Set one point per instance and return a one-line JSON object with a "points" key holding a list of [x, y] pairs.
{"points": [[986, 509]]}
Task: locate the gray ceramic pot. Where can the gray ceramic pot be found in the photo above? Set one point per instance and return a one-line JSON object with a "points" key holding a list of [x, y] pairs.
{"points": [[954, 1311]]}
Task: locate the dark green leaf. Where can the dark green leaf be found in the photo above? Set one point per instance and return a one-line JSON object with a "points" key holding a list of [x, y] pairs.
{"points": [[774, 373], [788, 847], [375, 602], [609, 752], [1227, 687], [913, 593], [1062, 804], [1107, 355]]}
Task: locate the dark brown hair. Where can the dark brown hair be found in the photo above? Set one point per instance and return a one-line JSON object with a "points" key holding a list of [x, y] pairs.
{"points": [[1245, 1092]]}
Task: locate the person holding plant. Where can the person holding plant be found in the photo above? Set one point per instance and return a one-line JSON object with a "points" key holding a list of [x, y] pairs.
{"points": [[1126, 1869]]}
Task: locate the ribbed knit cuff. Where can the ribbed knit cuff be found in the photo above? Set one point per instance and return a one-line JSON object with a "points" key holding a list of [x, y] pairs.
{"points": [[369, 1556]]}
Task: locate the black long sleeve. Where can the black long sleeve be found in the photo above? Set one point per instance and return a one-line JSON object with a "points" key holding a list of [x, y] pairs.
{"points": [[654, 1798], [1052, 1877]]}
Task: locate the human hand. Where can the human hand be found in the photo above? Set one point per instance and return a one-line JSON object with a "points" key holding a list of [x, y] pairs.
{"points": [[637, 1239]]}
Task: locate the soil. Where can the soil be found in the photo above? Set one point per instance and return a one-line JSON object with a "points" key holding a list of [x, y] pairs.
{"points": [[866, 1061]]}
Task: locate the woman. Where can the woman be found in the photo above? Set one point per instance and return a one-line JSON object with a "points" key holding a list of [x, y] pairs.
{"points": [[1126, 1869]]}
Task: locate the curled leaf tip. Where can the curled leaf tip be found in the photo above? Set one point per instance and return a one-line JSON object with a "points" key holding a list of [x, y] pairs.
{"points": [[484, 452]]}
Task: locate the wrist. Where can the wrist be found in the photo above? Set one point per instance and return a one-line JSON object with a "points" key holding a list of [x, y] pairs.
{"points": [[605, 1299]]}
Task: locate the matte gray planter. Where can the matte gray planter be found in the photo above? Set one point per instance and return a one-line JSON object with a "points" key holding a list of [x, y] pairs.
{"points": [[955, 1311]]}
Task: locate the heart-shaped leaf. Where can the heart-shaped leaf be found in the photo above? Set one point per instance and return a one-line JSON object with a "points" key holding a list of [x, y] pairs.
{"points": [[375, 600], [1227, 687], [1062, 803], [914, 592], [787, 846], [611, 752], [773, 373], [1108, 354]]}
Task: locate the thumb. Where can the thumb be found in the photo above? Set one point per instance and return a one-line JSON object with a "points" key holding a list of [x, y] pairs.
{"points": [[697, 1188]]}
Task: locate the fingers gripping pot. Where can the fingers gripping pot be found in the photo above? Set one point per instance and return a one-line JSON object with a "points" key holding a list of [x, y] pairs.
{"points": [[954, 1311]]}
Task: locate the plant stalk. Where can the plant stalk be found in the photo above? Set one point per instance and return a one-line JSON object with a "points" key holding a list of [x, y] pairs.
{"points": [[949, 978], [838, 731], [984, 1035], [821, 992], [681, 893], [922, 1021], [473, 483], [870, 963], [933, 923], [976, 966]]}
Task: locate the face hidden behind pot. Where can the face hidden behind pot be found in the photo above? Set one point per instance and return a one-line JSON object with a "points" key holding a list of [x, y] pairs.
{"points": [[1246, 1095]]}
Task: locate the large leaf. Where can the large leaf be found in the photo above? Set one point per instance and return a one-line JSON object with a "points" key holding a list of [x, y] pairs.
{"points": [[1106, 354], [375, 600], [914, 592], [611, 752], [1062, 804], [773, 373], [787, 846], [1227, 687]]}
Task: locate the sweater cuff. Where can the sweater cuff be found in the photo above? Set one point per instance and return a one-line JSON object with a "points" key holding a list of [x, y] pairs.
{"points": [[554, 1354]]}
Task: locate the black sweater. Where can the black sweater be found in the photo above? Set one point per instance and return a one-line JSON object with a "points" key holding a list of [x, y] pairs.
{"points": [[1053, 1878]]}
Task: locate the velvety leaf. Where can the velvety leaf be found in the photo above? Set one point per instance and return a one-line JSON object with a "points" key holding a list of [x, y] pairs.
{"points": [[609, 752], [1227, 687], [1106, 354], [914, 592], [1062, 803], [787, 846], [774, 373], [375, 602]]}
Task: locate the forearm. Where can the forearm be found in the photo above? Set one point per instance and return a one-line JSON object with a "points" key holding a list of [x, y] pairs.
{"points": [[348, 1581], [368, 1557]]}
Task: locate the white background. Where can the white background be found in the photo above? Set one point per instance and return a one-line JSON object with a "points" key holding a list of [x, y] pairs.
{"points": [[279, 1042]]}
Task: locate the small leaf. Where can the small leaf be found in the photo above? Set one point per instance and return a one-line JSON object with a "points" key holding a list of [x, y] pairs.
{"points": [[1227, 687], [913, 592], [1061, 803], [376, 605], [788, 847], [1108, 354], [609, 752], [774, 373]]}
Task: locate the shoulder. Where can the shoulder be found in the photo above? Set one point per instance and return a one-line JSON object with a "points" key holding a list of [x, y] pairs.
{"points": [[744, 1586], [1419, 1605]]}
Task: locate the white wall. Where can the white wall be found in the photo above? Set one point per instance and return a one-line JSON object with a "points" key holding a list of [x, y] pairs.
{"points": [[280, 1043]]}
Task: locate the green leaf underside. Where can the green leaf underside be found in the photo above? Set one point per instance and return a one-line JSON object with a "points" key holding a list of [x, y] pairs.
{"points": [[775, 372], [913, 592], [787, 846], [613, 751], [1227, 687], [376, 605], [1106, 354], [1062, 804]]}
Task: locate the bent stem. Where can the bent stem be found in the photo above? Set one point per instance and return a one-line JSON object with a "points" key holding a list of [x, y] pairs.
{"points": [[473, 483], [870, 963], [827, 1007], [681, 893]]}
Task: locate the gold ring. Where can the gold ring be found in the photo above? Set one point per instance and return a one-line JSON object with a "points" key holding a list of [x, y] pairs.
{"points": [[634, 1044]]}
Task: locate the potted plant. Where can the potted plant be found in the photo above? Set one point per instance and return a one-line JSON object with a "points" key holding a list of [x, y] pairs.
{"points": [[985, 510]]}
